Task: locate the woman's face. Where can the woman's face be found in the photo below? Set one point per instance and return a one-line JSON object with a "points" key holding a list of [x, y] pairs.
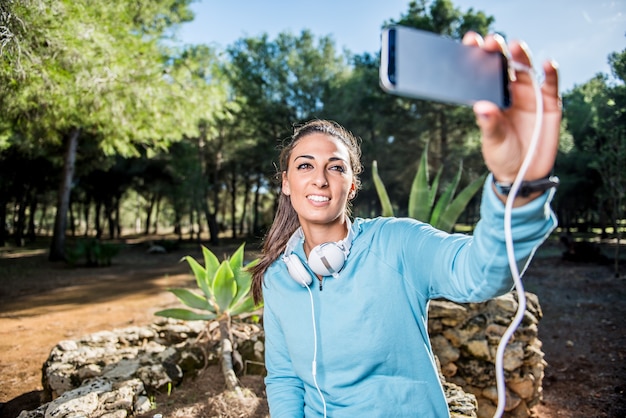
{"points": [[319, 179]]}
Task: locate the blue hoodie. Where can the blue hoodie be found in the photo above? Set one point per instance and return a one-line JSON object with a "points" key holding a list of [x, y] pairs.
{"points": [[373, 354]]}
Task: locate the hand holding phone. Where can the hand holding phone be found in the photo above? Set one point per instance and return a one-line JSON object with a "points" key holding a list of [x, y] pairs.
{"points": [[423, 65]]}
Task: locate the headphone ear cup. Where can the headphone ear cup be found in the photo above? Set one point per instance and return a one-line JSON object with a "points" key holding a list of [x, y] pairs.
{"points": [[297, 271], [326, 259]]}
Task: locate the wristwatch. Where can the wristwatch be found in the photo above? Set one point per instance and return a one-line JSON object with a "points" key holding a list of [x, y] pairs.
{"points": [[527, 187]]}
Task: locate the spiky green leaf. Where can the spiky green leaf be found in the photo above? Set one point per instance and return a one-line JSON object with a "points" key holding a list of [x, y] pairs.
{"points": [[236, 260], [244, 306], [420, 195], [243, 278], [211, 264], [201, 276], [192, 299], [385, 202], [446, 197], [224, 286], [458, 205]]}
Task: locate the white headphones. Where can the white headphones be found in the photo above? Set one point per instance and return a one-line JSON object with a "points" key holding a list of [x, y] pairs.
{"points": [[326, 259]]}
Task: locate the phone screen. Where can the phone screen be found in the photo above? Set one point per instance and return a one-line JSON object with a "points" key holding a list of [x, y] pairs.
{"points": [[427, 66]]}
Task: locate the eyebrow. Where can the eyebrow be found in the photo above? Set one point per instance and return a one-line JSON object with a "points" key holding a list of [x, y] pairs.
{"points": [[310, 157]]}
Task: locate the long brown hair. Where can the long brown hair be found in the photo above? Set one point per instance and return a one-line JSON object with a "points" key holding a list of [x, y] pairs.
{"points": [[286, 219]]}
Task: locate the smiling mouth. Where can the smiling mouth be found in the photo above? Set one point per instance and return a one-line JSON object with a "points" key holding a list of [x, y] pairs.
{"points": [[317, 198]]}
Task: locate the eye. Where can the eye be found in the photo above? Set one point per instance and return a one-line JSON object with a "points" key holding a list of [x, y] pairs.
{"points": [[340, 168], [303, 166]]}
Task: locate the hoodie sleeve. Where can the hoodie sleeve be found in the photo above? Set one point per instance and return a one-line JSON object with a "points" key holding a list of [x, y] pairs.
{"points": [[475, 268]]}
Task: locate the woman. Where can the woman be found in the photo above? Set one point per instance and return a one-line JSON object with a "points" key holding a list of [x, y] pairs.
{"points": [[348, 337]]}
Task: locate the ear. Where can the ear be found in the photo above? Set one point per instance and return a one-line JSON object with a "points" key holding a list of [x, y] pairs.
{"points": [[352, 193], [285, 187]]}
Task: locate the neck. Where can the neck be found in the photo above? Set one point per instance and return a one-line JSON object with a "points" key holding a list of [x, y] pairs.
{"points": [[315, 235]]}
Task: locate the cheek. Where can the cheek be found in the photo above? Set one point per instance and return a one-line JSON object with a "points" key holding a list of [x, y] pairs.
{"points": [[346, 189]]}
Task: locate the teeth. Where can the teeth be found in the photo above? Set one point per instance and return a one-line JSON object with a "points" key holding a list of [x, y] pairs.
{"points": [[319, 198]]}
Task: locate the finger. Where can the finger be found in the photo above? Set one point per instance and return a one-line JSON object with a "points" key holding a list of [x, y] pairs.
{"points": [[495, 42], [551, 84], [520, 53], [472, 38], [489, 120]]}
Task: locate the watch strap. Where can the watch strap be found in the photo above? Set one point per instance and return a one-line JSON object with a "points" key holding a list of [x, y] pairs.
{"points": [[527, 187]]}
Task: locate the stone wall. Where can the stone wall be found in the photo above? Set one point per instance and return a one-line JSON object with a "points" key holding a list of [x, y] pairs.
{"points": [[110, 374], [465, 338]]}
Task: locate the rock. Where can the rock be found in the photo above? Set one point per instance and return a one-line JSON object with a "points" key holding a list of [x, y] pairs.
{"points": [[476, 329], [478, 349], [112, 374], [445, 351]]}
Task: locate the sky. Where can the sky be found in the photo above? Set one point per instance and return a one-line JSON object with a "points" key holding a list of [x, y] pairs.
{"points": [[578, 34]]}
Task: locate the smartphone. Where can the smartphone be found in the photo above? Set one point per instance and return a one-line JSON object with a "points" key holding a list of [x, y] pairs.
{"points": [[424, 65]]}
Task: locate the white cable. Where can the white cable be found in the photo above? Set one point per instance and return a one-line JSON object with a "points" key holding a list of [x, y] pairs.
{"points": [[521, 297], [314, 362]]}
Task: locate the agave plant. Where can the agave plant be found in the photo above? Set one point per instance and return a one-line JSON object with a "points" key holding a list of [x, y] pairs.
{"points": [[225, 293], [441, 214]]}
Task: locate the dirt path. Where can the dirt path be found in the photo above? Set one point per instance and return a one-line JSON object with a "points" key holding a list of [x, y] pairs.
{"points": [[41, 304], [583, 336]]}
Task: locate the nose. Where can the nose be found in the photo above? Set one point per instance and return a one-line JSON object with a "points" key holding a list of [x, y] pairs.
{"points": [[320, 179]]}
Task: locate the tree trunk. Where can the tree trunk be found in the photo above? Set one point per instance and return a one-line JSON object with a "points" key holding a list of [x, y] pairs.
{"points": [[98, 219], [233, 201], [31, 234], [20, 223], [244, 206], [211, 223], [149, 210], [257, 198], [3, 222], [57, 247], [109, 208], [118, 222], [232, 383], [86, 208], [156, 215], [72, 217], [42, 226]]}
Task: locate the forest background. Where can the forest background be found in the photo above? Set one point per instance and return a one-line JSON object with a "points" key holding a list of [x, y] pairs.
{"points": [[110, 128]]}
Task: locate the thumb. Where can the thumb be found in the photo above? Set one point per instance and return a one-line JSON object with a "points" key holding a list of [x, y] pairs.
{"points": [[489, 119]]}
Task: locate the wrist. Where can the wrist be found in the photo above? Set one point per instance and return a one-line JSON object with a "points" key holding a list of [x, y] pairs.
{"points": [[526, 188]]}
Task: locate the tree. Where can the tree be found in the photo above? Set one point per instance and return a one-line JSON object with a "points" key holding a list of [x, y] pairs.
{"points": [[277, 83], [85, 68], [596, 117]]}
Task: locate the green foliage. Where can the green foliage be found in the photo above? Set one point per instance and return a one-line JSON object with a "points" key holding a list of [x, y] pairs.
{"points": [[95, 253], [225, 289], [442, 213], [382, 192], [97, 66], [594, 115]]}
